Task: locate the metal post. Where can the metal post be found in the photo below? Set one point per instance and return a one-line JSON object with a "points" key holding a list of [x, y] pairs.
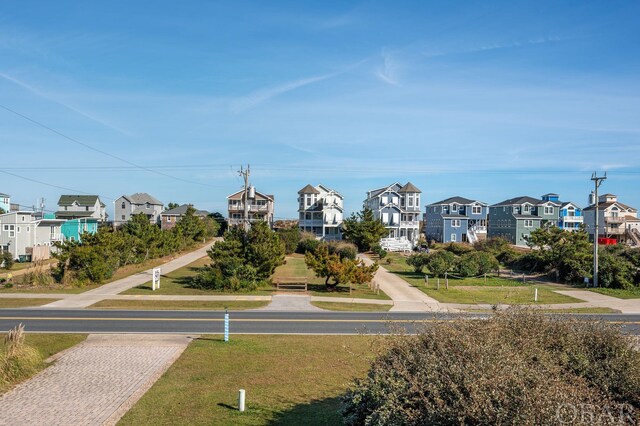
{"points": [[446, 280], [426, 280], [523, 278], [241, 396], [438, 288], [535, 295], [597, 182], [485, 278], [226, 325]]}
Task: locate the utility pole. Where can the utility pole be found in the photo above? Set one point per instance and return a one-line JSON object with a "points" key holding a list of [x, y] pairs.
{"points": [[597, 182], [245, 216]]}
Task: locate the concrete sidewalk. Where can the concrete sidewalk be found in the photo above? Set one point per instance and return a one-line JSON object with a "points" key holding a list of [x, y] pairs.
{"points": [[93, 383], [625, 306], [406, 298], [109, 290], [291, 303]]}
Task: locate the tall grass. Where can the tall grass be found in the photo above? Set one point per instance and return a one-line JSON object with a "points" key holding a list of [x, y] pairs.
{"points": [[18, 360]]}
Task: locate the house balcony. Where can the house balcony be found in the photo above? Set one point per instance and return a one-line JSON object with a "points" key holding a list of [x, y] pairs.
{"points": [[56, 237], [609, 230], [411, 209], [571, 218], [252, 208], [614, 219], [311, 222], [409, 223], [479, 229]]}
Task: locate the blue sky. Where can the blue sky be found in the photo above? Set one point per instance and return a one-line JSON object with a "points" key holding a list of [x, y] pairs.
{"points": [[487, 100]]}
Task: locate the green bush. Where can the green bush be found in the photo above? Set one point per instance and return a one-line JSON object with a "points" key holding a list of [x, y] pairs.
{"points": [[290, 237], [6, 260], [616, 271], [518, 367], [440, 261], [418, 261], [379, 251], [476, 263], [343, 249], [458, 248], [18, 360], [307, 244]]}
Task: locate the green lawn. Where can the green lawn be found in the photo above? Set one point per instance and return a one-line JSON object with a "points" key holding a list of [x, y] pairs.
{"points": [[497, 295], [561, 311], [296, 268], [21, 303], [46, 345], [179, 281], [632, 293], [179, 304], [292, 380], [353, 307], [48, 290]]}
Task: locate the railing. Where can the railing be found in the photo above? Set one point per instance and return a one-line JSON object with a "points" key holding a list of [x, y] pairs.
{"points": [[571, 218], [252, 208], [614, 219], [56, 237], [409, 223], [311, 222], [614, 231]]}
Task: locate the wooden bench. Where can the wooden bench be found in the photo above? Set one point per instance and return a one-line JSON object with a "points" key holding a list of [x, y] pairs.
{"points": [[292, 284]]}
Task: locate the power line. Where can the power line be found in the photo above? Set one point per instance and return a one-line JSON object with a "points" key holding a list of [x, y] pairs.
{"points": [[76, 141], [75, 191]]}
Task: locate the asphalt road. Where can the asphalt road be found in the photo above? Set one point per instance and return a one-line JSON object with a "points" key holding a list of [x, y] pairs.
{"points": [[241, 322]]}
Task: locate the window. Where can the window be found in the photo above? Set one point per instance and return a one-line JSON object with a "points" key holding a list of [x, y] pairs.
{"points": [[527, 207], [18, 229], [548, 209], [454, 238], [168, 218], [122, 205], [148, 205], [385, 217], [476, 209], [28, 229], [6, 228], [454, 207], [410, 201], [22, 217], [528, 223], [86, 208], [455, 223], [123, 217]]}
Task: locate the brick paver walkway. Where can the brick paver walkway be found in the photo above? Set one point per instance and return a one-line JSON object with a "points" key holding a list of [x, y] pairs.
{"points": [[94, 383]]}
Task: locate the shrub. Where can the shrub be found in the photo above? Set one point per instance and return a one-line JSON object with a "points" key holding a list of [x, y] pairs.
{"points": [[476, 263], [439, 262], [615, 271], [343, 249], [517, 367], [6, 260], [418, 261], [290, 237], [17, 359], [378, 250], [458, 248], [307, 243], [500, 248]]}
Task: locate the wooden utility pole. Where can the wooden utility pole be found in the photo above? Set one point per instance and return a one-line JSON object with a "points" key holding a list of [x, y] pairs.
{"points": [[597, 181], [245, 173]]}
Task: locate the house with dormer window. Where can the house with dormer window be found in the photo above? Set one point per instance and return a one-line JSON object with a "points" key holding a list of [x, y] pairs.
{"points": [[320, 211], [81, 207], [616, 220], [514, 219], [398, 208], [456, 219]]}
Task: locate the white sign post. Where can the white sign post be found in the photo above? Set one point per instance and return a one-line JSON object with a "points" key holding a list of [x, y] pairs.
{"points": [[156, 279]]}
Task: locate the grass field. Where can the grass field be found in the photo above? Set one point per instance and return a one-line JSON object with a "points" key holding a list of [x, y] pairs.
{"points": [[178, 304], [179, 281], [497, 295], [46, 345], [21, 303], [561, 311], [296, 268], [493, 290], [632, 293], [289, 380], [353, 307]]}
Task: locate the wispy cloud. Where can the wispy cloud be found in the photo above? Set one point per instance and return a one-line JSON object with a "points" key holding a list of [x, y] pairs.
{"points": [[493, 46], [387, 72], [56, 100], [257, 97]]}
